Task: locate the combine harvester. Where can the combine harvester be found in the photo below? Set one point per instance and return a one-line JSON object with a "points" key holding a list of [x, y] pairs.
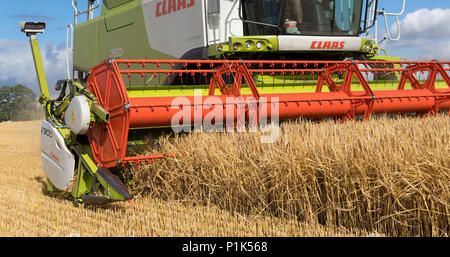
{"points": [[147, 65]]}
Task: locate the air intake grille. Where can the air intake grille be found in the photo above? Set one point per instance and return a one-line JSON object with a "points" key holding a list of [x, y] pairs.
{"points": [[115, 3]]}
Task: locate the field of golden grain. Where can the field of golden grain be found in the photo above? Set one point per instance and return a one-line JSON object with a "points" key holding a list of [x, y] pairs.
{"points": [[390, 174], [25, 210]]}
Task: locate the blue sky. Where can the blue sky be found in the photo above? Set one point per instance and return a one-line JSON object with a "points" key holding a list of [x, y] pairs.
{"points": [[56, 13], [425, 35]]}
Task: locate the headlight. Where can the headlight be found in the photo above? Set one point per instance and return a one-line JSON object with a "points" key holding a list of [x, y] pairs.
{"points": [[259, 45], [248, 44], [219, 48], [236, 46]]}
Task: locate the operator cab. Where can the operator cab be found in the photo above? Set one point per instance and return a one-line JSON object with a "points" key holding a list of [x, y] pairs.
{"points": [[302, 17], [300, 29]]}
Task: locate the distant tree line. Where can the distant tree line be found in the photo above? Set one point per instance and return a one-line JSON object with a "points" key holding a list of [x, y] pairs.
{"points": [[19, 103]]}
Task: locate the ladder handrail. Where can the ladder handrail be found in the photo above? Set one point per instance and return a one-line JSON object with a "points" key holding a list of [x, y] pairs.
{"points": [[89, 10], [385, 14], [69, 47]]}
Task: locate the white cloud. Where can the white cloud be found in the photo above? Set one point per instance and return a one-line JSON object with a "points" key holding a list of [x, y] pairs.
{"points": [[425, 35], [440, 51], [427, 24], [423, 27], [17, 65]]}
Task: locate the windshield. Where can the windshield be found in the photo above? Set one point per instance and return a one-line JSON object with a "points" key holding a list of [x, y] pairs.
{"points": [[262, 11], [302, 17]]}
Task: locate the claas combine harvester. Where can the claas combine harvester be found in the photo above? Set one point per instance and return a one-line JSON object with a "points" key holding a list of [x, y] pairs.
{"points": [[142, 66]]}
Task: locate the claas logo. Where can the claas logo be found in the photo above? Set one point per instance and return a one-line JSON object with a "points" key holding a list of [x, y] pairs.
{"points": [[170, 6], [328, 45]]}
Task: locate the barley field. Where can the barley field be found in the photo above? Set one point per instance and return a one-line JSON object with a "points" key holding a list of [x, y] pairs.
{"points": [[25, 210], [389, 174], [386, 176]]}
